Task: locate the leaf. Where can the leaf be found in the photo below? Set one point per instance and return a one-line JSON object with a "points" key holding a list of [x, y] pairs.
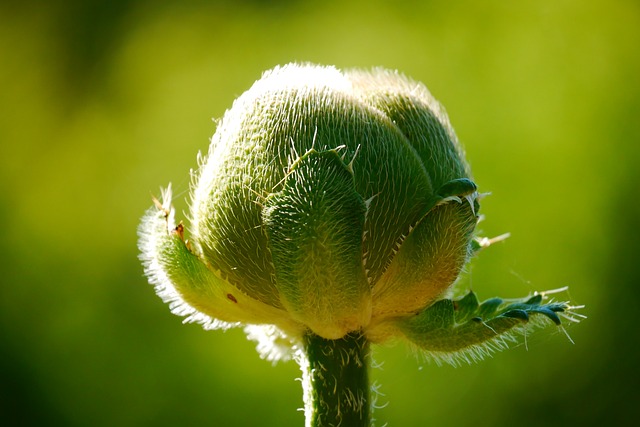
{"points": [[462, 329]]}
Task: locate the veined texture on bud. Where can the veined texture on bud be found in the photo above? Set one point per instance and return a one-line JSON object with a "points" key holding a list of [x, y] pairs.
{"points": [[329, 201]]}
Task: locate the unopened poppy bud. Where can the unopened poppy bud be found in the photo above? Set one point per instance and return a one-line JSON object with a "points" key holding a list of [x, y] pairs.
{"points": [[331, 202]]}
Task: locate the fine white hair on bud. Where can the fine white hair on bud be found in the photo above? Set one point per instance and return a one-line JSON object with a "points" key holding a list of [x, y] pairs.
{"points": [[335, 203], [158, 225]]}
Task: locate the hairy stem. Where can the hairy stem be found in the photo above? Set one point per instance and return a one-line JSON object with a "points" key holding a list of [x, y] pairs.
{"points": [[336, 381]]}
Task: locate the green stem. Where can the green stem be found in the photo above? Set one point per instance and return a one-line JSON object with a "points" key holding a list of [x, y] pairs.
{"points": [[336, 381]]}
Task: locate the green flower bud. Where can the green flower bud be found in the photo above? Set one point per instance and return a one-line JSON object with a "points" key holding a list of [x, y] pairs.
{"points": [[332, 202]]}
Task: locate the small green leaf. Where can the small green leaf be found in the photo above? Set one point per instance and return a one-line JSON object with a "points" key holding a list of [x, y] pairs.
{"points": [[457, 329], [517, 314], [466, 307], [489, 307]]}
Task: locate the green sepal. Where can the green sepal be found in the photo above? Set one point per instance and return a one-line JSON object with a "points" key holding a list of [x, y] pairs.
{"points": [[430, 258], [192, 288], [315, 225], [457, 187], [450, 326]]}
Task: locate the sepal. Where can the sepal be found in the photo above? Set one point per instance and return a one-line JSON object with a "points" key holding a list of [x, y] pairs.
{"points": [[192, 288]]}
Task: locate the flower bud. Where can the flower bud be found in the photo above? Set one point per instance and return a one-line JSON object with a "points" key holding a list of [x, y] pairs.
{"points": [[329, 202]]}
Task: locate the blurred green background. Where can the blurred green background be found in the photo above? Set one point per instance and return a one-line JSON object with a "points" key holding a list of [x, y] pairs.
{"points": [[103, 102]]}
